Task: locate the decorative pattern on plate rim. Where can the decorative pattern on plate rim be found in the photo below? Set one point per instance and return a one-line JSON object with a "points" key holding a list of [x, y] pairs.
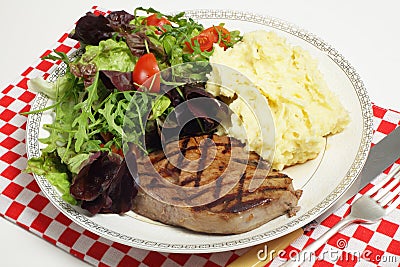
{"points": [[41, 100]]}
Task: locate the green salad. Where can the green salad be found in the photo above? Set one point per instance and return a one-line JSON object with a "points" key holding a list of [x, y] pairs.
{"points": [[123, 68]]}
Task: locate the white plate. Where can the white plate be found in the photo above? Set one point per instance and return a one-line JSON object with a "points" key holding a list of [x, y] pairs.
{"points": [[323, 180]]}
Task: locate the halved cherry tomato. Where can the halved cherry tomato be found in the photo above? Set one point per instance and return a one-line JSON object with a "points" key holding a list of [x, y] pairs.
{"points": [[118, 151], [114, 149], [147, 73], [153, 20], [205, 41], [220, 34], [209, 36]]}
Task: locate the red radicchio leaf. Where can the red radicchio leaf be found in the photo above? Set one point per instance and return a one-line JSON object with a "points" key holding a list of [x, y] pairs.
{"points": [[105, 185], [137, 44], [200, 116], [122, 81], [124, 189], [211, 106], [91, 29], [205, 111], [120, 18]]}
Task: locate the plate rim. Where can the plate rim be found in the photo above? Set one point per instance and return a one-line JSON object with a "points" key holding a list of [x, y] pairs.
{"points": [[32, 146]]}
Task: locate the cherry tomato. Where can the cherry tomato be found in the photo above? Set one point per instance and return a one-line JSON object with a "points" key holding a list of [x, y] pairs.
{"points": [[205, 41], [209, 36], [153, 20], [220, 34], [147, 73], [114, 149], [118, 151]]}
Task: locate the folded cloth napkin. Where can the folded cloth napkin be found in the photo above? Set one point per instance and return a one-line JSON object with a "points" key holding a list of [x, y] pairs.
{"points": [[22, 202]]}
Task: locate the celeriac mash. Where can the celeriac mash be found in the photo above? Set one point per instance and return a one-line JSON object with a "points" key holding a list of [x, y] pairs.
{"points": [[303, 108]]}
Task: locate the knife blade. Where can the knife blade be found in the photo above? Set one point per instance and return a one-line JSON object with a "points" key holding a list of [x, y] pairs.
{"points": [[380, 157]]}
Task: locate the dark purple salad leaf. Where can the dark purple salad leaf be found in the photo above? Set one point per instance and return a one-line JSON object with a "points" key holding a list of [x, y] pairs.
{"points": [[152, 136], [193, 117], [192, 91], [95, 206], [91, 29], [105, 185], [209, 109], [120, 20], [122, 81], [95, 178], [137, 44], [172, 94], [85, 71], [122, 191]]}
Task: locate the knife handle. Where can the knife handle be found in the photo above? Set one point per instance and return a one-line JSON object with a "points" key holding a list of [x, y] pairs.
{"points": [[256, 256]]}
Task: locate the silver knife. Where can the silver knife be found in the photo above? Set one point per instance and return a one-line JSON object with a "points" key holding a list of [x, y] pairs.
{"points": [[380, 157]]}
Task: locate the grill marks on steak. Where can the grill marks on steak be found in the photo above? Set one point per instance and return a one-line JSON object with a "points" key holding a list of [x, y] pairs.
{"points": [[187, 158], [212, 191], [240, 199]]}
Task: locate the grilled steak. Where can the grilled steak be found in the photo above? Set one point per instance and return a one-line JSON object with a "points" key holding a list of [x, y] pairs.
{"points": [[211, 184]]}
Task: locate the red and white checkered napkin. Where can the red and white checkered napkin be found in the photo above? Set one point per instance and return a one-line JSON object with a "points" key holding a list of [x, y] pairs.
{"points": [[22, 202]]}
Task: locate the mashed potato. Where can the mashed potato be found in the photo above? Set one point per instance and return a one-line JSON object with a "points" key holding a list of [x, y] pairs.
{"points": [[303, 108]]}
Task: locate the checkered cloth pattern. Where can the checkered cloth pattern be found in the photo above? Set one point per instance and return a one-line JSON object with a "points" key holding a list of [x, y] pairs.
{"points": [[22, 202]]}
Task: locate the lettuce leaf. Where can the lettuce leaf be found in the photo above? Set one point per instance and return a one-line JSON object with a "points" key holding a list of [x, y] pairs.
{"points": [[52, 90], [109, 55], [49, 165]]}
